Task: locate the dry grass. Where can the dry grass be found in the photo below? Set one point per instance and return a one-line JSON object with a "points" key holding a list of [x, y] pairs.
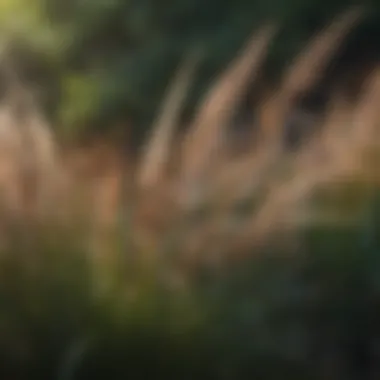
{"points": [[199, 206]]}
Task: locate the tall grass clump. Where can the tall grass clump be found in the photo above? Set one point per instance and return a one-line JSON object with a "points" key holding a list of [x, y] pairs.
{"points": [[261, 265]]}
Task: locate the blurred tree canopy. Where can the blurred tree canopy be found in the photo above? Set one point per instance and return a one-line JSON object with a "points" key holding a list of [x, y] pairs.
{"points": [[100, 62]]}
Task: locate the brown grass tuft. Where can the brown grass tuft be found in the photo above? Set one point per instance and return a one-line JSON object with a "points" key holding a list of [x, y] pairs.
{"points": [[217, 205]]}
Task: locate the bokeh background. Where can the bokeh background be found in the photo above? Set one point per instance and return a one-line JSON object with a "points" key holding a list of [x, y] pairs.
{"points": [[189, 189]]}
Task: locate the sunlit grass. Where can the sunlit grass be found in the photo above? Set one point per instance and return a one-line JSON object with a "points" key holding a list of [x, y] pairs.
{"points": [[258, 266]]}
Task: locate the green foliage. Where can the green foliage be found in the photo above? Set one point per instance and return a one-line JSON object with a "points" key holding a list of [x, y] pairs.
{"points": [[298, 316], [123, 53], [80, 98]]}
